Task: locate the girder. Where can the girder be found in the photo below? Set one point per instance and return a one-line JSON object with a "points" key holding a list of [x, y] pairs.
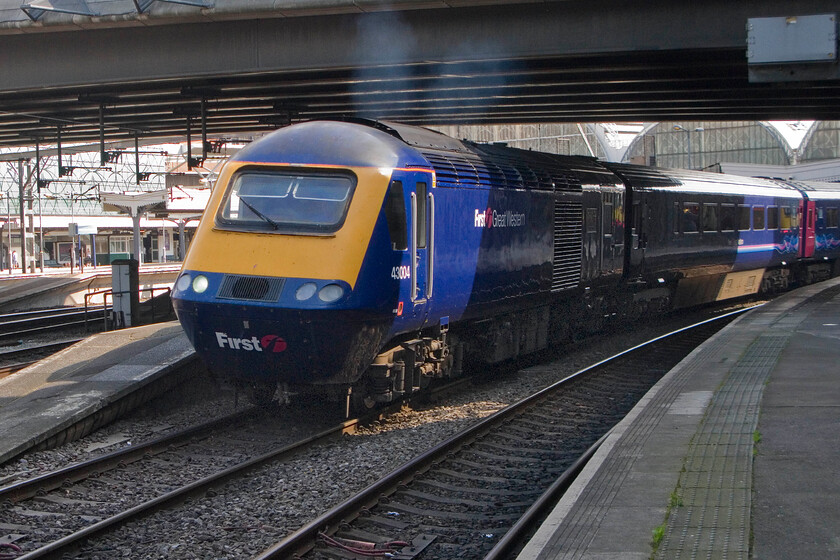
{"points": [[145, 68]]}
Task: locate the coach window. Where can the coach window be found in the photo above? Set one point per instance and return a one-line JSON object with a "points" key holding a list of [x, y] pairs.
{"points": [[772, 217], [710, 218], [395, 216], [794, 216], [743, 217], [728, 217], [421, 215], [691, 217], [786, 217], [832, 218], [758, 217]]}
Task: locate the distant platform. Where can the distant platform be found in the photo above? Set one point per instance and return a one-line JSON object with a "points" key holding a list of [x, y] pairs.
{"points": [[56, 287]]}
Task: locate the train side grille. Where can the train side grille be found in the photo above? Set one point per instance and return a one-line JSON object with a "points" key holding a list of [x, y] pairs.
{"points": [[568, 229], [251, 288]]}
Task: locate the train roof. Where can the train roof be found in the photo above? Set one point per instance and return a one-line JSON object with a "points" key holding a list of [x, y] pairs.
{"points": [[683, 180], [464, 164], [817, 190], [457, 163], [461, 163], [340, 143]]}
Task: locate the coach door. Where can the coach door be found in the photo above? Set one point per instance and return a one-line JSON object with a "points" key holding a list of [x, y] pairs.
{"points": [[809, 220], [612, 232], [422, 244], [638, 234]]}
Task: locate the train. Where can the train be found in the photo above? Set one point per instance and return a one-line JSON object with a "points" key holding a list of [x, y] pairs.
{"points": [[359, 261]]}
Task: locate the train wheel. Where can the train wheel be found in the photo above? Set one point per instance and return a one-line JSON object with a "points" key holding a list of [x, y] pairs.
{"points": [[261, 393]]}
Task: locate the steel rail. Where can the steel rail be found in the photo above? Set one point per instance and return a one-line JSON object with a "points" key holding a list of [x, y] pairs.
{"points": [[7, 318], [58, 547], [304, 539], [39, 347], [6, 371], [73, 473], [43, 328], [546, 501], [9, 369], [26, 323]]}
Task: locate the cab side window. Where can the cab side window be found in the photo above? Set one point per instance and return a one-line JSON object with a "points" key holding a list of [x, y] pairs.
{"points": [[395, 216]]}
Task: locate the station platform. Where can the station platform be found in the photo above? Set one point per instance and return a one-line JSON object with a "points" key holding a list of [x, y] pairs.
{"points": [[76, 390], [732, 455]]}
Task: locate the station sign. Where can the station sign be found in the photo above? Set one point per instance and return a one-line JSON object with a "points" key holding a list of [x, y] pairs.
{"points": [[80, 229]]}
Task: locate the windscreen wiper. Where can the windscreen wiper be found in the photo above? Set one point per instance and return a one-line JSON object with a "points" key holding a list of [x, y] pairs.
{"points": [[259, 214]]}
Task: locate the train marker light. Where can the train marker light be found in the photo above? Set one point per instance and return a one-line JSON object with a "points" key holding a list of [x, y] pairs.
{"points": [[306, 291], [330, 293], [183, 283], [200, 284]]}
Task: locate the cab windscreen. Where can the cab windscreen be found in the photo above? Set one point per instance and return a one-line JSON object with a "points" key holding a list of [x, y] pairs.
{"points": [[286, 202]]}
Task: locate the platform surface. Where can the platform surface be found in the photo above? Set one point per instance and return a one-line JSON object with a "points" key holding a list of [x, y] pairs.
{"points": [[734, 454], [53, 394]]}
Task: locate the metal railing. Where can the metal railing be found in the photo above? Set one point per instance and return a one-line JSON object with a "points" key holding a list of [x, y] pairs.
{"points": [[88, 297], [108, 314]]}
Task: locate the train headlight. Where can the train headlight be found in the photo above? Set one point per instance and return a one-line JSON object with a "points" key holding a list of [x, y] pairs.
{"points": [[306, 291], [330, 293], [183, 283], [200, 284]]}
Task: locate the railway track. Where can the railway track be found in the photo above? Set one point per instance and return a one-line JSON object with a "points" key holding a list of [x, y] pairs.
{"points": [[463, 498], [12, 361], [496, 476], [94, 318], [28, 323], [84, 500]]}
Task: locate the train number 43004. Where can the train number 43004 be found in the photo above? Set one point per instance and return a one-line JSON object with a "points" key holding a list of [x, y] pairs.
{"points": [[401, 272]]}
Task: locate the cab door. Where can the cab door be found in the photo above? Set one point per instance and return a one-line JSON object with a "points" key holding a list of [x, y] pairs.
{"points": [[421, 245]]}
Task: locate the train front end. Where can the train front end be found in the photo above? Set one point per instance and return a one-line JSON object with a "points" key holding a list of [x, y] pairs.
{"points": [[270, 291]]}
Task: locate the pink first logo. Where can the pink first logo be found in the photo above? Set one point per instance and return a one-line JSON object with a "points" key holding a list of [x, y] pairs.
{"points": [[273, 343]]}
